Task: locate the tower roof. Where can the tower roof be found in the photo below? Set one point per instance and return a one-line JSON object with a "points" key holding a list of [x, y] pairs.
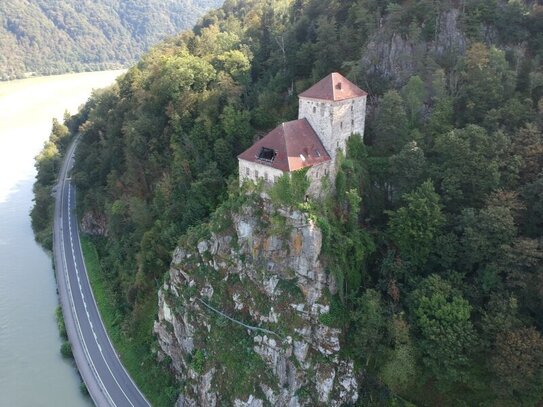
{"points": [[289, 147], [334, 87]]}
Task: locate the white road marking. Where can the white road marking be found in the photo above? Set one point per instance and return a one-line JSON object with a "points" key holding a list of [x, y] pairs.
{"points": [[76, 317], [61, 243], [81, 292]]}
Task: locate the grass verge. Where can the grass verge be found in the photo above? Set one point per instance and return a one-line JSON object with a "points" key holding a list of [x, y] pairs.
{"points": [[154, 380]]}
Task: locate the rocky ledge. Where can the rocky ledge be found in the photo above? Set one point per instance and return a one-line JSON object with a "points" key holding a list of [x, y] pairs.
{"points": [[240, 315]]}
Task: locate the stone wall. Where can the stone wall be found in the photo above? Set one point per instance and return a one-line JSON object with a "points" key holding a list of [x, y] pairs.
{"points": [[334, 122]]}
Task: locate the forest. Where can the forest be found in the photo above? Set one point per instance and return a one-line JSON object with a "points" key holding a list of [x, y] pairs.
{"points": [[44, 37], [435, 231]]}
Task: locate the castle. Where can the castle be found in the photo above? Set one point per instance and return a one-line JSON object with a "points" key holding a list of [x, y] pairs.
{"points": [[329, 113]]}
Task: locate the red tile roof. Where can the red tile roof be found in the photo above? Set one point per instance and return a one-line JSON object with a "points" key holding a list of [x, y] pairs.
{"points": [[296, 146], [334, 87]]}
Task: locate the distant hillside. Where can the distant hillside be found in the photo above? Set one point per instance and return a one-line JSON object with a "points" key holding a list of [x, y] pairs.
{"points": [[48, 37]]}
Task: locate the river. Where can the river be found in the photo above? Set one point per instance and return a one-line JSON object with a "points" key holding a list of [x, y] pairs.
{"points": [[32, 372]]}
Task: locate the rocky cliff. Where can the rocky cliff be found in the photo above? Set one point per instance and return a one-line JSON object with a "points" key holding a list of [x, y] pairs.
{"points": [[241, 314], [395, 56]]}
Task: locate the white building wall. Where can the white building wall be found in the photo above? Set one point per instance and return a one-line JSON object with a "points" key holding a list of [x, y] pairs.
{"points": [[254, 171], [334, 122], [257, 172]]}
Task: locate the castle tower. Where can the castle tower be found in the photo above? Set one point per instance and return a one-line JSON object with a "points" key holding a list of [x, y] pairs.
{"points": [[336, 108]]}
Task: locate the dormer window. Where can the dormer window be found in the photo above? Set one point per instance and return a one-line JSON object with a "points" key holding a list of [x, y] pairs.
{"points": [[267, 154], [317, 153], [338, 86]]}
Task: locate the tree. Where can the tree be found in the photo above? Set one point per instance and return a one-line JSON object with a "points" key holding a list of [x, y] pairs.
{"points": [[370, 327], [413, 94], [487, 83], [237, 127], [467, 165], [48, 163], [236, 64], [485, 234], [401, 370], [518, 365], [528, 144], [415, 226], [408, 168], [391, 127], [533, 196], [448, 340]]}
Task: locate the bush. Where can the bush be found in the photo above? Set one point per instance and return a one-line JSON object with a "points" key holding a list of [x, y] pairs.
{"points": [[198, 361], [83, 389], [290, 189], [60, 323], [66, 350]]}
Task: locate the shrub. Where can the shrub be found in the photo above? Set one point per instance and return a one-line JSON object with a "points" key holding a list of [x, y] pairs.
{"points": [[66, 350]]}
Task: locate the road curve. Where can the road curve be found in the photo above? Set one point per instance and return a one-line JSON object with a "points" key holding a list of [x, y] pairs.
{"points": [[108, 382]]}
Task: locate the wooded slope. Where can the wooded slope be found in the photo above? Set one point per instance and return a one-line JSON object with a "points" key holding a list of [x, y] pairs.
{"points": [[49, 37]]}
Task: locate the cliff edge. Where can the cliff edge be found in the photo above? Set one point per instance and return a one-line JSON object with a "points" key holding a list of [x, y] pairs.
{"points": [[241, 313]]}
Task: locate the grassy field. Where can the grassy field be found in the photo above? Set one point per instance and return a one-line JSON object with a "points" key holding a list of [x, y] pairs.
{"points": [[154, 380]]}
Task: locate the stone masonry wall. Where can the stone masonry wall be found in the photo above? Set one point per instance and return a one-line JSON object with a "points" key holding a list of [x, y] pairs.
{"points": [[334, 122]]}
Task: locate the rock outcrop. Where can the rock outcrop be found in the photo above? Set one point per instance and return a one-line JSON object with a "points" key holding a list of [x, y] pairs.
{"points": [[240, 315], [395, 57], [94, 224]]}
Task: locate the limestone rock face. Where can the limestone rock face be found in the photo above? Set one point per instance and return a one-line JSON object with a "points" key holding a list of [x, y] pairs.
{"points": [[239, 315], [397, 57], [94, 224]]}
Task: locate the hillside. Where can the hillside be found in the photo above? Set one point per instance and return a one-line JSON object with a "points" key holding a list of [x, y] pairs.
{"points": [[430, 246], [49, 37]]}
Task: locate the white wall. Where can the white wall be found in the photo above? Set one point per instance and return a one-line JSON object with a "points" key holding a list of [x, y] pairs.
{"points": [[256, 172]]}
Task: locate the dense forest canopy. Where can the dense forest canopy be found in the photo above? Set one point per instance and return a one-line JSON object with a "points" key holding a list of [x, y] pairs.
{"points": [[441, 303], [50, 37]]}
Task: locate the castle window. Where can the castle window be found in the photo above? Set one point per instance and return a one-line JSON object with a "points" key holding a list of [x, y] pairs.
{"points": [[256, 173], [337, 144], [314, 109], [247, 171], [352, 108], [266, 176], [352, 122], [267, 154], [341, 125]]}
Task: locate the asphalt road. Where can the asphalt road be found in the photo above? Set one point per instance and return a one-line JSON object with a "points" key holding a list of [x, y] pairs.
{"points": [[105, 377]]}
